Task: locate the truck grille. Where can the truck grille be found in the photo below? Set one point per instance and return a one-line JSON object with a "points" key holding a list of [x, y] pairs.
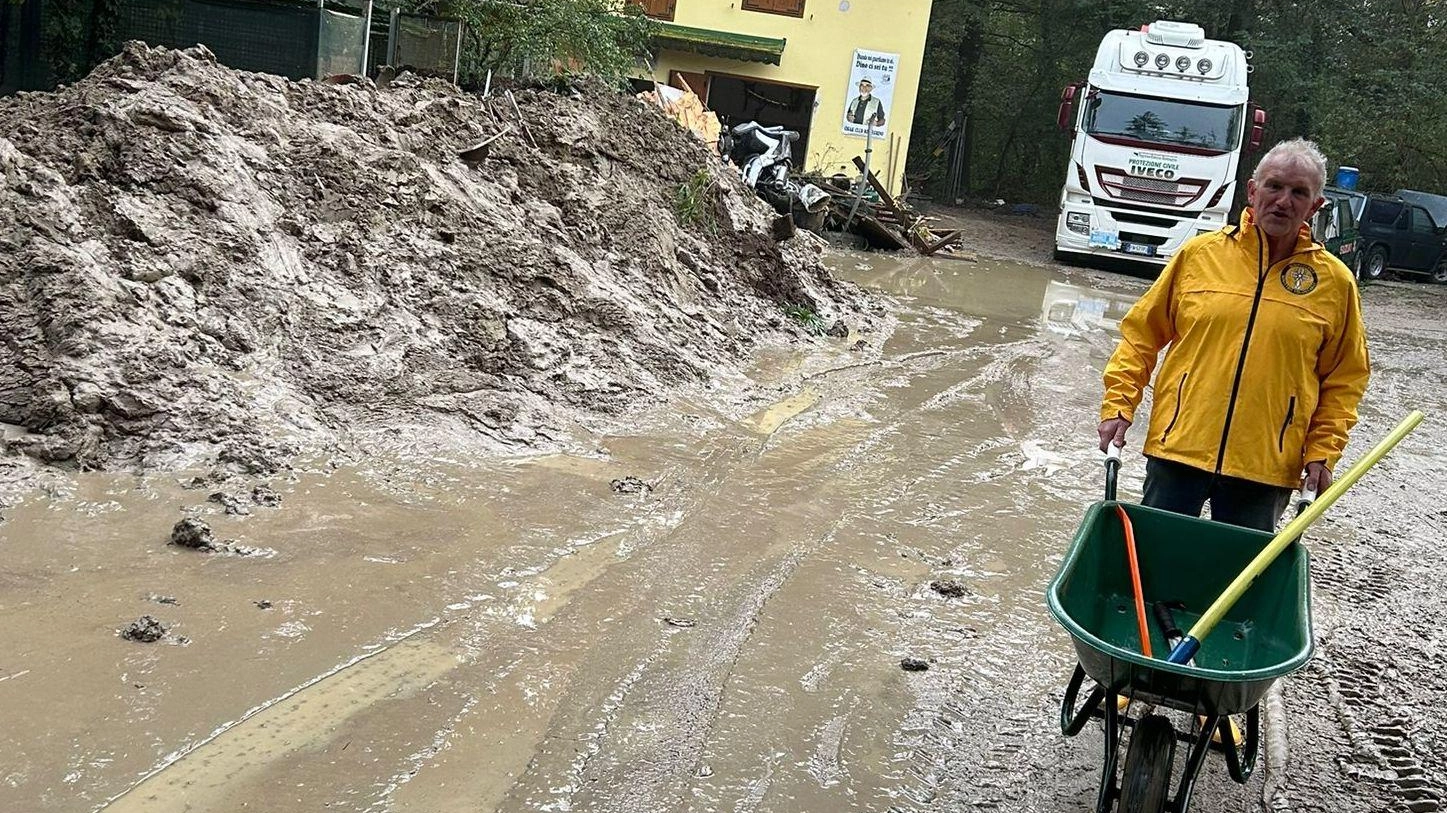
{"points": [[1179, 193]]}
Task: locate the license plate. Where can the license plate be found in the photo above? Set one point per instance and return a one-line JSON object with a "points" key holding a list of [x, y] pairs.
{"points": [[1143, 249], [1104, 239]]}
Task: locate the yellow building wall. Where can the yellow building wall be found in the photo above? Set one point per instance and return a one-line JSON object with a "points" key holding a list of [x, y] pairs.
{"points": [[819, 53]]}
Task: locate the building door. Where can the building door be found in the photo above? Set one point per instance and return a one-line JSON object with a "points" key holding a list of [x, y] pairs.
{"points": [[737, 99]]}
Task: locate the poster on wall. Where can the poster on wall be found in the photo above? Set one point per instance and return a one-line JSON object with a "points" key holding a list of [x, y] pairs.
{"points": [[871, 87]]}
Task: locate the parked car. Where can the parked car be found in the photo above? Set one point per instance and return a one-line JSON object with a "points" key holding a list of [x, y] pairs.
{"points": [[1399, 235], [1436, 205], [1357, 199], [1335, 225]]}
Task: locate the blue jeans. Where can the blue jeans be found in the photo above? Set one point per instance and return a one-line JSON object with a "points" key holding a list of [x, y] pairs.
{"points": [[1173, 486]]}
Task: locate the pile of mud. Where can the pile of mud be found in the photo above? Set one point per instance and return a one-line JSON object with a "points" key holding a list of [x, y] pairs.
{"points": [[197, 263]]}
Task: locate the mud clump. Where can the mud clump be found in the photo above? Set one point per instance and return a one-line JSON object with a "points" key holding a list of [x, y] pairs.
{"points": [[949, 588], [192, 533], [230, 503], [630, 485], [145, 629], [206, 266], [914, 664], [265, 497]]}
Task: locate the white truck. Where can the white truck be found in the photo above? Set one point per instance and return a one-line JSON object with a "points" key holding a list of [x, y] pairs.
{"points": [[1156, 139]]}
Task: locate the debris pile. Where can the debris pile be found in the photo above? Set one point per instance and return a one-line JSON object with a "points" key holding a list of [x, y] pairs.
{"points": [[684, 106], [199, 264], [883, 221]]}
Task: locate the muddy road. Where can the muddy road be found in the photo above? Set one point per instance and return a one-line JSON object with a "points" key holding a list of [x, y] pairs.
{"points": [[726, 631]]}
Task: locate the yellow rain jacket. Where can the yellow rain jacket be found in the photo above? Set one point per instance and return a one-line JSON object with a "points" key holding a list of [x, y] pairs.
{"points": [[1265, 365]]}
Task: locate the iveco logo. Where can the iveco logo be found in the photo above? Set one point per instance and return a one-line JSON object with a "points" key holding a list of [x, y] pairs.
{"points": [[1153, 172]]}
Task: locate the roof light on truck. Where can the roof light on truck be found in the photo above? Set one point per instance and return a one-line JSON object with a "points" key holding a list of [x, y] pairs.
{"points": [[1175, 34], [1182, 63], [1162, 61], [1204, 66], [1141, 58]]}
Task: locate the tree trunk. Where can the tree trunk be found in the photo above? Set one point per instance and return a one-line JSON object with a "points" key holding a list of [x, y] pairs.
{"points": [[967, 68]]}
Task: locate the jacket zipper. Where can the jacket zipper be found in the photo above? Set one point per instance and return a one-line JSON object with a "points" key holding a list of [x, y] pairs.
{"points": [[1180, 388], [1290, 413], [1245, 343]]}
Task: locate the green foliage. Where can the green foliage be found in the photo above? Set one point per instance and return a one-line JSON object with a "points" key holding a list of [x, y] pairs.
{"points": [[547, 39], [64, 27], [811, 322], [1360, 77], [77, 34], [694, 202]]}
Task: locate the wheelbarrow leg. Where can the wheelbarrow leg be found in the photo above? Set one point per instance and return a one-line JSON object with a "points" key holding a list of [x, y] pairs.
{"points": [[1240, 764], [1106, 800], [1197, 758], [1071, 720]]}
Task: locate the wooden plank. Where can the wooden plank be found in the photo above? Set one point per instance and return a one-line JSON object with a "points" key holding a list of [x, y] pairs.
{"points": [[878, 234], [879, 188], [950, 237]]}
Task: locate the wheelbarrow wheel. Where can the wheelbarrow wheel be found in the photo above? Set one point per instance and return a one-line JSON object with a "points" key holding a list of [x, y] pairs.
{"points": [[1148, 762]]}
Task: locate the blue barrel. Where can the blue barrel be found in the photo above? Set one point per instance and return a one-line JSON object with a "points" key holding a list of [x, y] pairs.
{"points": [[1346, 177]]}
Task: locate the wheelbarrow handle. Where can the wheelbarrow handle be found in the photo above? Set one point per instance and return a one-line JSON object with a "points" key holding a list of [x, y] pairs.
{"points": [[1308, 496], [1112, 469]]}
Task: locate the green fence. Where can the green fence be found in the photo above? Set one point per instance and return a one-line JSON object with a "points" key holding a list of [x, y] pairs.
{"points": [[45, 42]]}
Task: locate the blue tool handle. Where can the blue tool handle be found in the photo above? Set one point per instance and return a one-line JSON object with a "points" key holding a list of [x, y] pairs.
{"points": [[1184, 651]]}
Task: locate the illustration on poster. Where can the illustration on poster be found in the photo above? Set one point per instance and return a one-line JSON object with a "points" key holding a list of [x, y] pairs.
{"points": [[871, 83]]}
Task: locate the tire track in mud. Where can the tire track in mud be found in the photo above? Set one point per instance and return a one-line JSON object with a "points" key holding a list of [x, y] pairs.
{"points": [[1362, 682], [1376, 687], [650, 769]]}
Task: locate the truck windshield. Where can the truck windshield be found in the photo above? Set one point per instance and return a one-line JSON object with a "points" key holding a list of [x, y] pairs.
{"points": [[1163, 121]]}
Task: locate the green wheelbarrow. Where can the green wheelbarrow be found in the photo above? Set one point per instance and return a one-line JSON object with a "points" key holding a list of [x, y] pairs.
{"points": [[1184, 564]]}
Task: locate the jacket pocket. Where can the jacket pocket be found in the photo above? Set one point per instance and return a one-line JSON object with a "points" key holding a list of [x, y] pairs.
{"points": [[1285, 425], [1180, 391]]}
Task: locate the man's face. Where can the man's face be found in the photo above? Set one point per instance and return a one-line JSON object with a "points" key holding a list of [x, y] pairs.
{"points": [[1283, 199], [866, 88]]}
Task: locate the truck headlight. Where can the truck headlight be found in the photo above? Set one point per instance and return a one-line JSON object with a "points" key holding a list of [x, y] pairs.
{"points": [[1078, 222]]}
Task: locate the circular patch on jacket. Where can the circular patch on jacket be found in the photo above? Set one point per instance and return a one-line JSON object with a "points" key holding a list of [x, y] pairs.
{"points": [[1299, 279]]}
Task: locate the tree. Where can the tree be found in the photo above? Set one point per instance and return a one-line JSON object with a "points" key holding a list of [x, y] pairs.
{"points": [[1360, 77], [547, 38]]}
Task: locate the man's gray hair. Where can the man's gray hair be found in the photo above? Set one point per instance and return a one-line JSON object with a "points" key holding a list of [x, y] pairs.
{"points": [[1301, 152]]}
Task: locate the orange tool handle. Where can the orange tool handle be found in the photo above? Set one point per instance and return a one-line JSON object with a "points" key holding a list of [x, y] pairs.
{"points": [[1135, 583]]}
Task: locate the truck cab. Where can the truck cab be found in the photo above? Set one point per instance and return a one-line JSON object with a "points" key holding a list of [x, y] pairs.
{"points": [[1157, 133]]}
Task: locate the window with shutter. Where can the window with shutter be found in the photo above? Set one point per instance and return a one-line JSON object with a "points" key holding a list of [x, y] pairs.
{"points": [[657, 9], [793, 8]]}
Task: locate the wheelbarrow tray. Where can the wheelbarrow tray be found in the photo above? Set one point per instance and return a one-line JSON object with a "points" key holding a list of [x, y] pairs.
{"points": [[1266, 635]]}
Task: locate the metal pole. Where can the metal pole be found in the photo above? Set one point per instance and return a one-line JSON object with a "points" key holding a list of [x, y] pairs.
{"points": [[457, 55], [392, 39], [321, 29], [366, 38], [864, 180]]}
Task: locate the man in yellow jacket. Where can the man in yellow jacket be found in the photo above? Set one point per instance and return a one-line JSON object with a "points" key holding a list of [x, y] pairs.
{"points": [[1266, 357]]}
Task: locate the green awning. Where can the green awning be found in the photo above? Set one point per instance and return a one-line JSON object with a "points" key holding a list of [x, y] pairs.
{"points": [[726, 44]]}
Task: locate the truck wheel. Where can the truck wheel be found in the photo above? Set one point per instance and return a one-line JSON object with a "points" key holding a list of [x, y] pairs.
{"points": [[1439, 274], [1147, 777], [1376, 266]]}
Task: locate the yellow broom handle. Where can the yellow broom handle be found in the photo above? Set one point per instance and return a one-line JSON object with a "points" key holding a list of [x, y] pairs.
{"points": [[1293, 530]]}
